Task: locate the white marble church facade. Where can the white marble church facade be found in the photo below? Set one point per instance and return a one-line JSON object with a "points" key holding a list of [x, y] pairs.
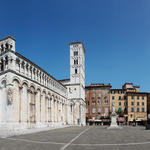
{"points": [[30, 97]]}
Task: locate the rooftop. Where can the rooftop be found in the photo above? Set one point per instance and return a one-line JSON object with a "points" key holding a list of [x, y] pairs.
{"points": [[78, 42], [98, 85], [8, 38]]}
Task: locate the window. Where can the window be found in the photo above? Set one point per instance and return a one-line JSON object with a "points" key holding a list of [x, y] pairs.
{"points": [[132, 103], [76, 71], [93, 95], [137, 97], [113, 97], [75, 53], [86, 110], [119, 103], [143, 110], [106, 110], [76, 62], [105, 96], [112, 92], [143, 103], [143, 97], [93, 110], [125, 110], [125, 103], [125, 97], [132, 97], [138, 103], [99, 103], [93, 103], [119, 97], [138, 109], [132, 109], [99, 95], [99, 110], [106, 102]]}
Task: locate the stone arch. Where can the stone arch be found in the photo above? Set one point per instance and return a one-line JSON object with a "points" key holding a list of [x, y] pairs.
{"points": [[17, 99], [17, 60], [38, 104], [32, 85], [3, 82], [16, 79], [44, 91], [23, 64], [24, 101], [32, 103], [52, 95], [77, 102], [49, 115], [39, 88], [72, 103], [49, 94], [56, 97], [43, 98], [25, 82]]}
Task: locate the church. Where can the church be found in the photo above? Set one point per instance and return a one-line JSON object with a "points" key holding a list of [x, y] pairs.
{"points": [[31, 98]]}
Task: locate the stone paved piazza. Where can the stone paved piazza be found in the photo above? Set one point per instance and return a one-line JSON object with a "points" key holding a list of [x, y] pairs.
{"points": [[77, 138]]}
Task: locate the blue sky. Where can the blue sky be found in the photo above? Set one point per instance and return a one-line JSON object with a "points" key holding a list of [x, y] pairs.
{"points": [[116, 35]]}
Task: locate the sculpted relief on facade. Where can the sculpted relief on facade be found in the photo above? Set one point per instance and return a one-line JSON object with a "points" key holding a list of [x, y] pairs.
{"points": [[9, 97]]}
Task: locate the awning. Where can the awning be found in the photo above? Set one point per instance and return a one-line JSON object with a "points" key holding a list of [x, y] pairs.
{"points": [[139, 118]]}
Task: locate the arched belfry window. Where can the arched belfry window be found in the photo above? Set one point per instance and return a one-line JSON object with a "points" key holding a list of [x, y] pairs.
{"points": [[2, 48], [76, 71], [76, 62], [2, 65], [7, 46], [75, 53]]}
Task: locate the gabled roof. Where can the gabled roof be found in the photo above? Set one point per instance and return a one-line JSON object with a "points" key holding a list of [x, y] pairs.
{"points": [[7, 38]]}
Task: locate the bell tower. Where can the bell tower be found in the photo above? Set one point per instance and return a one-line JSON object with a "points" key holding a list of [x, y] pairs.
{"points": [[6, 44], [77, 80]]}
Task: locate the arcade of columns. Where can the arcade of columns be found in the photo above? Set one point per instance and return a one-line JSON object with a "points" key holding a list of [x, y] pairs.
{"points": [[29, 95]]}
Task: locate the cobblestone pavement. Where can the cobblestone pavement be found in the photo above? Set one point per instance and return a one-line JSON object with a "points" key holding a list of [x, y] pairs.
{"points": [[81, 138]]}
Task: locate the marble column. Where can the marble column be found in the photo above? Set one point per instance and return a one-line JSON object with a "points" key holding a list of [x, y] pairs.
{"points": [[20, 104], [52, 109]]}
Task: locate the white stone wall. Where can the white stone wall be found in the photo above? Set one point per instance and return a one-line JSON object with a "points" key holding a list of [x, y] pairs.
{"points": [[30, 97], [31, 105]]}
